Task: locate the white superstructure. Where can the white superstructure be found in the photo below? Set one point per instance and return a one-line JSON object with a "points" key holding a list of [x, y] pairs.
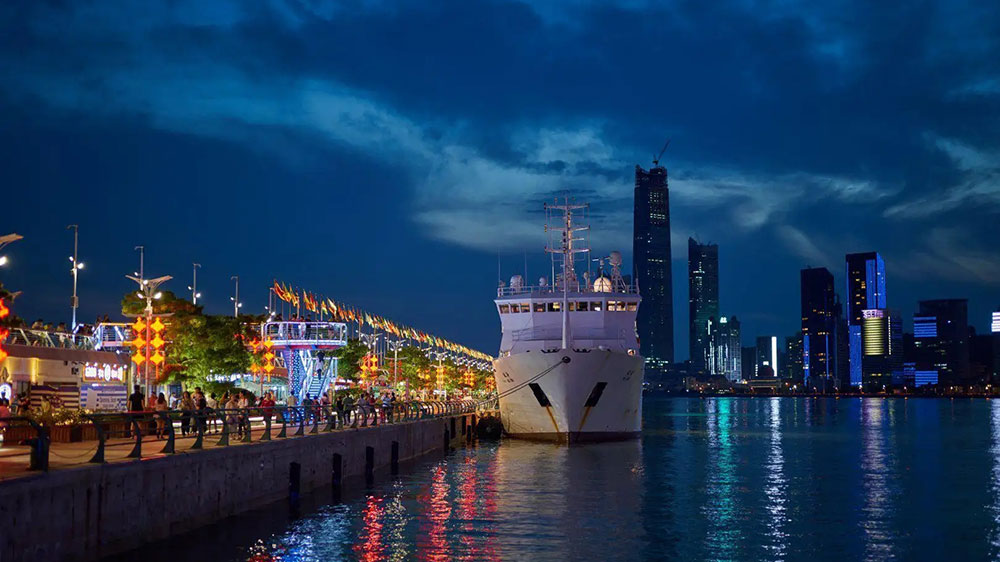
{"points": [[569, 367]]}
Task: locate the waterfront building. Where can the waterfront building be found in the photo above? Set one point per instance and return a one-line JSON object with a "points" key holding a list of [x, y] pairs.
{"points": [[766, 356], [820, 311], [941, 340], [995, 332], [865, 291], [703, 299], [652, 262], [882, 351], [724, 349], [793, 354], [748, 362]]}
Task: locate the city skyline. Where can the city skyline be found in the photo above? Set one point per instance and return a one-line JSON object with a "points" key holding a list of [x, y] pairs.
{"points": [[377, 169]]}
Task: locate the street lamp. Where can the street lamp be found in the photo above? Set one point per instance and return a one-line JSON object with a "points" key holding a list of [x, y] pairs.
{"points": [[77, 265], [148, 292], [193, 287], [7, 239], [237, 305], [142, 258]]}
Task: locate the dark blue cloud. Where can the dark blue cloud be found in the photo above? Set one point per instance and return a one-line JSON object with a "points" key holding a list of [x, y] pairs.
{"points": [[383, 152]]}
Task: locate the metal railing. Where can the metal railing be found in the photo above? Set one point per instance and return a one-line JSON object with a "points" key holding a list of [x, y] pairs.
{"points": [[553, 291], [297, 334], [245, 425], [42, 338]]}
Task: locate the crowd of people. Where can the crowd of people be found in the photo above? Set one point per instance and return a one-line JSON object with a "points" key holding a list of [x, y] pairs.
{"points": [[205, 412]]}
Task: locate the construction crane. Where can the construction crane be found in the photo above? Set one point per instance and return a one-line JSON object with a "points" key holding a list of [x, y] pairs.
{"points": [[656, 159]]}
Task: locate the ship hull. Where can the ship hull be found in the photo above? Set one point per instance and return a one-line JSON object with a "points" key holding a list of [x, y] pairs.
{"points": [[570, 396]]}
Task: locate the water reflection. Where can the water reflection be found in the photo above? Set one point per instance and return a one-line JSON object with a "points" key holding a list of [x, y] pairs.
{"points": [[876, 467], [995, 478], [724, 531], [775, 487], [714, 479]]}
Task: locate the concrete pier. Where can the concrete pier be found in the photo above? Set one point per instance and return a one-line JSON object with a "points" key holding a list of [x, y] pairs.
{"points": [[87, 512]]}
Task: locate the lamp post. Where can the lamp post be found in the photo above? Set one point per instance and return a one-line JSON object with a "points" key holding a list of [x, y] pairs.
{"points": [[236, 299], [394, 346], [195, 295], [142, 257], [7, 239], [148, 292], [77, 266]]}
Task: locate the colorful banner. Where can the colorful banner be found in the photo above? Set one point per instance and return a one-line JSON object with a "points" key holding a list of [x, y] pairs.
{"points": [[339, 312]]}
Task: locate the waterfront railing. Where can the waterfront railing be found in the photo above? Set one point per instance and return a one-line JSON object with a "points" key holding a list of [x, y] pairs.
{"points": [[219, 427]]}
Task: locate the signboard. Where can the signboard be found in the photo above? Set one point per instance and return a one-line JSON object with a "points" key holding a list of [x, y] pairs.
{"points": [[103, 397], [94, 372]]}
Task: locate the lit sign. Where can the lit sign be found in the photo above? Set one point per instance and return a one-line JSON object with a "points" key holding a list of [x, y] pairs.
{"points": [[105, 372], [873, 313]]}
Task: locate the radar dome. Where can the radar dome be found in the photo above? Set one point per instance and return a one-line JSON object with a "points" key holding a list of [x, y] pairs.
{"points": [[516, 282], [615, 259], [602, 285], [543, 282]]}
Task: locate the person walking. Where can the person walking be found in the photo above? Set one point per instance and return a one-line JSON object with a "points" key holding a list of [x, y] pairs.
{"points": [[244, 416], [186, 407], [136, 400], [212, 405], [231, 419], [349, 415], [386, 407], [160, 408]]}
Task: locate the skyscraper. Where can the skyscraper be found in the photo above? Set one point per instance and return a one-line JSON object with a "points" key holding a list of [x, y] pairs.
{"points": [[941, 339], [820, 312], [882, 349], [767, 356], [793, 353], [724, 348], [651, 256], [865, 291], [703, 298]]}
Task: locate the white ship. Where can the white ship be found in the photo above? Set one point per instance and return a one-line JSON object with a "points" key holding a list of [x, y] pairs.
{"points": [[569, 368]]}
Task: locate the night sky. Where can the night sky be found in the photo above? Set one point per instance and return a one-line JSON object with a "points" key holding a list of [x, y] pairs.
{"points": [[382, 153]]}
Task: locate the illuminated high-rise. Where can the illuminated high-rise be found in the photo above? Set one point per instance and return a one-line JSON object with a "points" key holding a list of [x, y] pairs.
{"points": [[724, 348], [820, 314], [865, 291], [703, 299], [941, 340], [882, 348], [651, 256]]}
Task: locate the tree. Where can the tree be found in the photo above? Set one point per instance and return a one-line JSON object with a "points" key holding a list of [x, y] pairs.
{"points": [[199, 345], [349, 359], [412, 362]]}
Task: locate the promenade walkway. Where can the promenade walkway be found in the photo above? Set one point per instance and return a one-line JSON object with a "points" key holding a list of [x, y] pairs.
{"points": [[118, 445]]}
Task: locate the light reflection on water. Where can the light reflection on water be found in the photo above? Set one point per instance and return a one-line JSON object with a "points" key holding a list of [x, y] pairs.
{"points": [[711, 479]]}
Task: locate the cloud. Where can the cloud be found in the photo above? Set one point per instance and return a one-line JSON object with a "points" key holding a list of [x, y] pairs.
{"points": [[978, 182]]}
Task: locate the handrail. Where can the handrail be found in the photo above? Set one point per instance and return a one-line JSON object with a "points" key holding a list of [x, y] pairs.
{"points": [[194, 424]]}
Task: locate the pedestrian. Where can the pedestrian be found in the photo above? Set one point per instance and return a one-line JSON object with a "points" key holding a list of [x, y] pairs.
{"points": [[160, 411], [186, 407], [349, 415], [201, 405], [136, 400], [386, 407], [243, 404], [174, 399], [212, 405], [231, 418], [373, 405], [339, 405]]}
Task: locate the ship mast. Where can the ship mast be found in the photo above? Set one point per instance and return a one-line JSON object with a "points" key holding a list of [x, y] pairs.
{"points": [[567, 248]]}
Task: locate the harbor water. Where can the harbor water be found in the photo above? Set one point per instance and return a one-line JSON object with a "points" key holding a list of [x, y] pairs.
{"points": [[711, 479]]}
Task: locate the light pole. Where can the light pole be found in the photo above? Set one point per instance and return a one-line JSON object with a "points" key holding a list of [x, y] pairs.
{"points": [[395, 345], [236, 299], [77, 266], [195, 295], [7, 239], [142, 257], [148, 292]]}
